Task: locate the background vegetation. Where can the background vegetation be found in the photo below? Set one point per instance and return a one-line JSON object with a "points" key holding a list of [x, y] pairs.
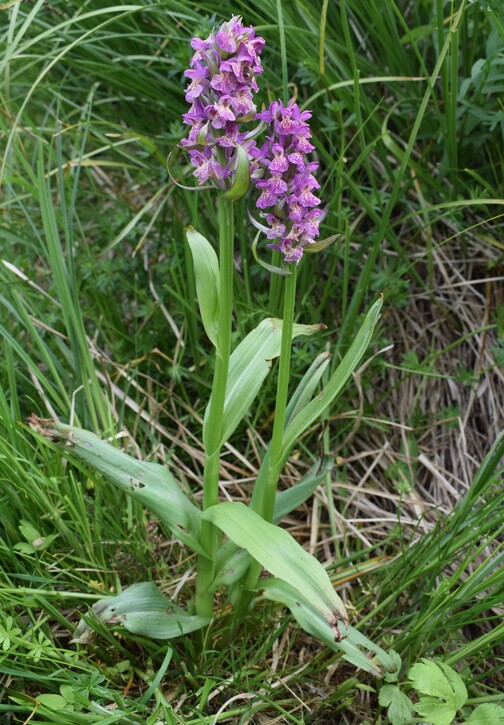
{"points": [[100, 327]]}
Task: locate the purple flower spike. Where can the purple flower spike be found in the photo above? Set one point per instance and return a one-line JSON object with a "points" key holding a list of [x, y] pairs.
{"points": [[223, 79], [288, 182]]}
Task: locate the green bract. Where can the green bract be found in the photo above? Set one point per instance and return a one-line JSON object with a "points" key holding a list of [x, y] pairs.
{"points": [[206, 271]]}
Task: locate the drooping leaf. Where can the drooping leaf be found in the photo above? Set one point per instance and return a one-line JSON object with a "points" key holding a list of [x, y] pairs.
{"points": [[149, 483], [142, 609], [442, 688], [276, 550], [314, 409], [206, 270], [232, 562], [399, 705], [248, 367], [355, 647]]}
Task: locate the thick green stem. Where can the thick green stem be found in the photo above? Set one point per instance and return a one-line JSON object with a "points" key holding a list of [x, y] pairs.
{"points": [[263, 501], [276, 448], [213, 427]]}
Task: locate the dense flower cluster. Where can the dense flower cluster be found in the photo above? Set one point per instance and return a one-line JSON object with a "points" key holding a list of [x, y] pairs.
{"points": [[222, 83], [223, 78], [288, 184]]}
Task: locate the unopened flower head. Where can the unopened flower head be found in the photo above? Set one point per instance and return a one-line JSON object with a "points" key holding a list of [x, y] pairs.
{"points": [[222, 82], [288, 186]]}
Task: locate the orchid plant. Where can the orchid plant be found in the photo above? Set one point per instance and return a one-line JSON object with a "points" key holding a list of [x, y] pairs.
{"points": [[224, 147]]}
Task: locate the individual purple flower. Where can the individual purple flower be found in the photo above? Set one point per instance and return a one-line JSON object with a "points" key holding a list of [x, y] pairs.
{"points": [[288, 184], [199, 82], [222, 78]]}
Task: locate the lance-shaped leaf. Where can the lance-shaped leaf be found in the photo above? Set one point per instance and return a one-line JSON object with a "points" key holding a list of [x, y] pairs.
{"points": [[142, 609], [304, 391], [276, 550], [231, 561], [313, 410], [354, 647], [150, 483], [288, 500], [206, 271], [248, 367]]}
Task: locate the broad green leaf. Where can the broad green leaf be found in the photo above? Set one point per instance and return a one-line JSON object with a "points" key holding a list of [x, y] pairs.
{"points": [[54, 702], [443, 689], [248, 367], [33, 537], [282, 556], [150, 483], [232, 562], [487, 714], [28, 531], [399, 706], [206, 270], [434, 711], [456, 683], [304, 391], [142, 609], [439, 680], [313, 410], [354, 648]]}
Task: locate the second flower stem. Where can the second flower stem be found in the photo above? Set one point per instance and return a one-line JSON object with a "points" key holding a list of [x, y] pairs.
{"points": [[213, 424], [276, 447], [263, 501]]}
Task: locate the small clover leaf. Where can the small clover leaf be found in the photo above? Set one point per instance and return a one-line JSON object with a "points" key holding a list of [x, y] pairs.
{"points": [[7, 633], [443, 689], [38, 647]]}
